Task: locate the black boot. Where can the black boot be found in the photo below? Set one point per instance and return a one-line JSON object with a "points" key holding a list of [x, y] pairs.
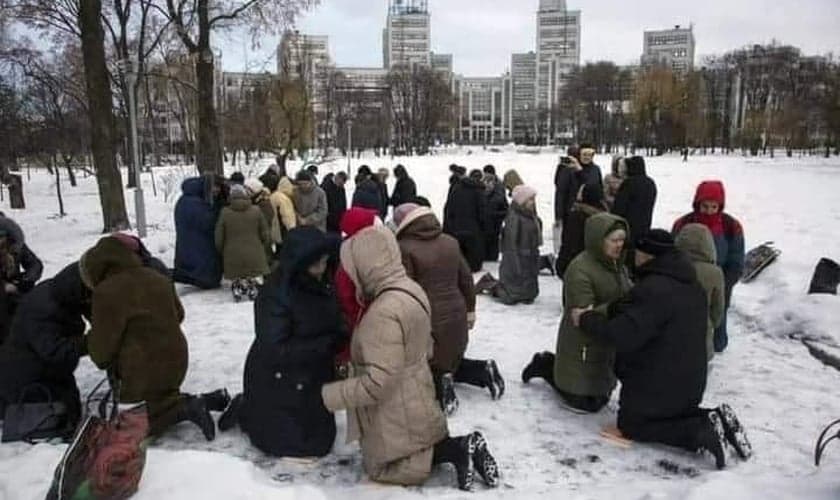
{"points": [[540, 366], [734, 432], [448, 399], [494, 381], [485, 284], [485, 464], [458, 452], [230, 418], [217, 400], [826, 278], [194, 409], [711, 439]]}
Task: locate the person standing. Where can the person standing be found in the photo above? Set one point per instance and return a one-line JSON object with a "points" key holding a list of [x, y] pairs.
{"points": [[197, 261], [366, 194], [261, 198], [381, 180], [465, 218], [565, 189], [635, 202], [282, 199], [390, 399], [709, 206], [242, 234], [333, 186], [310, 202], [574, 230], [614, 180], [511, 181], [659, 331], [298, 332], [434, 261], [581, 369], [405, 190], [497, 209]]}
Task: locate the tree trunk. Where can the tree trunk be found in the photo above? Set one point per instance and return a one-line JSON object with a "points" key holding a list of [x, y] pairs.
{"points": [[16, 200], [70, 174], [209, 150], [58, 191], [108, 176]]}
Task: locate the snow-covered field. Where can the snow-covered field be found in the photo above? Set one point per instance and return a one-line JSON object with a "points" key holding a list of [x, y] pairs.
{"points": [[783, 395]]}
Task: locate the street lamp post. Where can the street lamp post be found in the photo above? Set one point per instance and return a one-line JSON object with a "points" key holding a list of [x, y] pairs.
{"points": [[129, 67], [349, 146]]}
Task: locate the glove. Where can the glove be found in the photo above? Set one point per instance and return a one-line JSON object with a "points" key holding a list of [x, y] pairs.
{"points": [[470, 320]]}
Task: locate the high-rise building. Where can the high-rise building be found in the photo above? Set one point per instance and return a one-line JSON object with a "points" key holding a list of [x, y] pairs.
{"points": [[483, 116], [523, 96], [406, 39], [558, 49], [673, 48], [306, 57], [442, 63]]}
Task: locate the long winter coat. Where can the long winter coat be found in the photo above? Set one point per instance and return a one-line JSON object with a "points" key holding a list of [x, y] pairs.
{"points": [[336, 203], [520, 267], [281, 200], [311, 208], [567, 184], [497, 209], [584, 363], [635, 201], [299, 328], [659, 332], [241, 237], [574, 235], [47, 340], [405, 191], [262, 200], [696, 242], [465, 218], [197, 262], [434, 261], [390, 397], [135, 328]]}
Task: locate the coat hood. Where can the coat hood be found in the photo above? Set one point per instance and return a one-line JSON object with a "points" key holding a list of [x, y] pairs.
{"points": [[373, 261], [635, 166], [69, 290], [107, 258], [303, 246], [710, 191], [286, 187], [697, 242], [597, 228], [512, 179], [240, 204], [193, 187], [13, 232], [421, 224], [672, 264], [356, 219]]}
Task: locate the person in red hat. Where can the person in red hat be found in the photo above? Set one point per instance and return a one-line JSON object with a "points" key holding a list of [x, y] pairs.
{"points": [[709, 206]]}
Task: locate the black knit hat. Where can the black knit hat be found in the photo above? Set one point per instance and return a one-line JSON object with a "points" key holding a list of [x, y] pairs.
{"points": [[656, 242], [635, 163], [303, 175], [490, 169]]}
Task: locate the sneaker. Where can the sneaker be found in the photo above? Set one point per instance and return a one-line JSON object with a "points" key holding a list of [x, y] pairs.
{"points": [[712, 439], [494, 382], [230, 418], [734, 432], [484, 463], [464, 464], [485, 284], [448, 399]]}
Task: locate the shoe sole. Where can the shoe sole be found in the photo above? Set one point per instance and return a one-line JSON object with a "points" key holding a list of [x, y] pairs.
{"points": [[717, 425], [452, 407], [485, 463], [734, 432], [469, 475], [496, 381]]}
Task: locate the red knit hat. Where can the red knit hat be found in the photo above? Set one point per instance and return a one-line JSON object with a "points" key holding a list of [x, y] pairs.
{"points": [[356, 219]]}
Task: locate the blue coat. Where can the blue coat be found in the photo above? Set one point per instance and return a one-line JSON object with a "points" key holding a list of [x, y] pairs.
{"points": [[196, 260]]}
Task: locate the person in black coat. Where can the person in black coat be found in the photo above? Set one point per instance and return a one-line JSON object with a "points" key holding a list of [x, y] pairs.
{"points": [[381, 180], [574, 230], [333, 186], [20, 269], [299, 331], [659, 332], [46, 341], [497, 209], [405, 190], [465, 217], [635, 201]]}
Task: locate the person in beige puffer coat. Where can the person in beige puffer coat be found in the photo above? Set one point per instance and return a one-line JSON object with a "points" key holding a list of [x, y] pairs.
{"points": [[282, 200], [390, 397]]}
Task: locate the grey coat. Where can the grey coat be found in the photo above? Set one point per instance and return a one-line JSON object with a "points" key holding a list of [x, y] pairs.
{"points": [[520, 267], [311, 208]]}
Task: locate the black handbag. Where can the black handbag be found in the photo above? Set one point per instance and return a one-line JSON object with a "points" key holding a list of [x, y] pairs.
{"points": [[34, 420]]}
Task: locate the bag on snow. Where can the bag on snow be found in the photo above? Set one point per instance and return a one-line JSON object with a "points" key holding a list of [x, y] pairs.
{"points": [[106, 458], [757, 260], [826, 278], [35, 419]]}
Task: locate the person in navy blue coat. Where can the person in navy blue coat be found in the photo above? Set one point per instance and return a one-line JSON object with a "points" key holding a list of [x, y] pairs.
{"points": [[197, 262]]}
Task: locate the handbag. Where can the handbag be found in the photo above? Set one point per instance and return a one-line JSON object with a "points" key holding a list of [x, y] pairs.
{"points": [[34, 420], [107, 456]]}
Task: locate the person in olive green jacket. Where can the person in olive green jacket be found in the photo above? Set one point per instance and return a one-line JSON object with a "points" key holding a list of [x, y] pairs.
{"points": [[242, 234], [697, 242], [582, 369], [136, 336]]}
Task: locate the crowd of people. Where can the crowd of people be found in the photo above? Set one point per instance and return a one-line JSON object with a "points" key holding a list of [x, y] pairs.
{"points": [[369, 308]]}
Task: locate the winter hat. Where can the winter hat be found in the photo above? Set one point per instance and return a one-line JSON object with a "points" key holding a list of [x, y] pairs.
{"points": [[254, 186], [312, 169], [303, 176], [356, 219], [490, 169], [422, 201], [592, 195], [656, 242], [710, 191], [523, 193], [476, 175], [130, 242], [635, 165], [238, 192], [402, 211], [400, 170], [237, 178]]}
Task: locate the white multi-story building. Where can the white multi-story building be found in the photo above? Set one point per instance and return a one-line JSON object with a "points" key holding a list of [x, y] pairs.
{"points": [[673, 48], [407, 37], [558, 49], [483, 116], [306, 57]]}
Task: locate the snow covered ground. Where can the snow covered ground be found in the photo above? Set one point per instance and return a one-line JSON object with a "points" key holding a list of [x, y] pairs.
{"points": [[783, 395]]}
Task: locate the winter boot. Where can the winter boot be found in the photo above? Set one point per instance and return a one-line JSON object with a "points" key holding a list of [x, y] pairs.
{"points": [[547, 262], [253, 289], [826, 278], [485, 284], [494, 380], [484, 463], [216, 400], [459, 452], [448, 400], [536, 368], [712, 439], [734, 432], [230, 418], [193, 409], [239, 290]]}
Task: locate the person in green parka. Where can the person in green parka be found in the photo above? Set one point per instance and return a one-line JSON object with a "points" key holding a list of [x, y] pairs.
{"points": [[698, 244], [242, 235], [581, 371], [136, 337]]}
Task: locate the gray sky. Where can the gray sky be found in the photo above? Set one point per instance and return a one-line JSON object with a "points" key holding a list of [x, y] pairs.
{"points": [[482, 34]]}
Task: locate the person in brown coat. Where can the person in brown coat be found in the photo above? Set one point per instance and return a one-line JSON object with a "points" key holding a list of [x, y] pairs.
{"points": [[136, 336], [390, 396], [434, 260]]}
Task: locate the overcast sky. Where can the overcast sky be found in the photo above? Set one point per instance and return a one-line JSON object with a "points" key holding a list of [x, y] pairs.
{"points": [[482, 34]]}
